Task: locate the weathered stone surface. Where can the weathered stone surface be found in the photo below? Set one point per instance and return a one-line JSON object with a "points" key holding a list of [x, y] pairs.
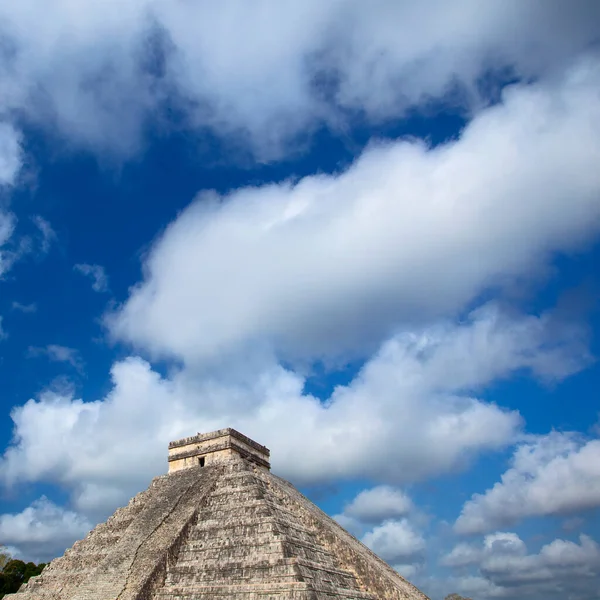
{"points": [[215, 447], [230, 529]]}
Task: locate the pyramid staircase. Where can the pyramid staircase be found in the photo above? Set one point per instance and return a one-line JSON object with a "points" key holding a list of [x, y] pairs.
{"points": [[255, 548]]}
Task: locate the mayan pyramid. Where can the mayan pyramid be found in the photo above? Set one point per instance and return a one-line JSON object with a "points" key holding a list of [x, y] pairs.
{"points": [[218, 525]]}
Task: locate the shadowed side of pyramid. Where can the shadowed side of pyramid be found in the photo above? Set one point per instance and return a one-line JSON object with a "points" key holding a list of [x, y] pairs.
{"points": [[121, 557], [220, 525]]}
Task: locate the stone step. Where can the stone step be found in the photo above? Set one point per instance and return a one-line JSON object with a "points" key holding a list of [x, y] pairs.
{"points": [[230, 552], [230, 542], [255, 497], [264, 524], [235, 497], [327, 578], [272, 536], [246, 513], [228, 488], [207, 555], [274, 591], [254, 570], [211, 527]]}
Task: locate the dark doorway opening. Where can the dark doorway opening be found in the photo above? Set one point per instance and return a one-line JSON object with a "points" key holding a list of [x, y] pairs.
{"points": [[201, 461]]}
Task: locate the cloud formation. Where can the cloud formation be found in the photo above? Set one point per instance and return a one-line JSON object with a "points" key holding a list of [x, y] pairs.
{"points": [[409, 414], [396, 542], [42, 530], [555, 474], [378, 262], [332, 264], [267, 72], [505, 569], [378, 504], [385, 519]]}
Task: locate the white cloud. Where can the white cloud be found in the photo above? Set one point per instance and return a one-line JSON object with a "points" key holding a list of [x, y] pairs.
{"points": [[57, 353], [96, 273], [408, 571], [332, 264], [395, 541], [267, 71], [560, 569], [42, 531], [555, 474], [373, 506], [461, 555], [3, 334], [464, 554], [378, 504], [385, 519], [404, 417]]}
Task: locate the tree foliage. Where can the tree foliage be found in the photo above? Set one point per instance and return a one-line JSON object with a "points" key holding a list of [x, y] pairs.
{"points": [[456, 597], [14, 573], [4, 558]]}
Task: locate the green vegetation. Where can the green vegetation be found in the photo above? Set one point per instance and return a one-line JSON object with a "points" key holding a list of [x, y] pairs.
{"points": [[13, 573]]}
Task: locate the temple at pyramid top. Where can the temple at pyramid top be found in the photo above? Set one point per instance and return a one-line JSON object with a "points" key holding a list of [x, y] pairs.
{"points": [[218, 526], [218, 446]]}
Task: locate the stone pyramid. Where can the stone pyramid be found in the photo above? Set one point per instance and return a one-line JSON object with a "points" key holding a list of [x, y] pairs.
{"points": [[218, 525]]}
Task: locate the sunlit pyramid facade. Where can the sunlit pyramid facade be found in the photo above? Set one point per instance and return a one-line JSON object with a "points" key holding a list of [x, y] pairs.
{"points": [[218, 525]]}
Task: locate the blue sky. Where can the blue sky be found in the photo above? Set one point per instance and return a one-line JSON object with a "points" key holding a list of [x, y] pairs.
{"points": [[367, 236]]}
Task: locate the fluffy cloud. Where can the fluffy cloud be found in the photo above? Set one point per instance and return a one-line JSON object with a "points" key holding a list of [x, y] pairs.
{"points": [[42, 530], [96, 273], [497, 543], [267, 71], [386, 520], [407, 415], [395, 541], [555, 474], [505, 569], [378, 504], [332, 264]]}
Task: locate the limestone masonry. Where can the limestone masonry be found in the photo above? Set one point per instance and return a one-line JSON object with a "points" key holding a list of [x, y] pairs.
{"points": [[219, 525]]}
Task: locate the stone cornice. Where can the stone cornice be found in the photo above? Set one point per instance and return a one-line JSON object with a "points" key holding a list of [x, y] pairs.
{"points": [[204, 437]]}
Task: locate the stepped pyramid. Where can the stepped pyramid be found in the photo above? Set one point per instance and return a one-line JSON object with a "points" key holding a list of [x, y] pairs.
{"points": [[219, 525]]}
